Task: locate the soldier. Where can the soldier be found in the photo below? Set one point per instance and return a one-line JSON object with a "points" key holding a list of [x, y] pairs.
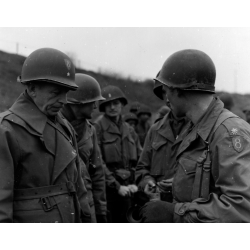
{"points": [[77, 111], [156, 163], [39, 164], [143, 125], [131, 119], [211, 180], [120, 153], [135, 106]]}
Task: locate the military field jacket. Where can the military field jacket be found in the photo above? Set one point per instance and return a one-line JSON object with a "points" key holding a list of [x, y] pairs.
{"points": [[228, 198], [119, 147], [37, 155], [94, 172], [157, 160]]}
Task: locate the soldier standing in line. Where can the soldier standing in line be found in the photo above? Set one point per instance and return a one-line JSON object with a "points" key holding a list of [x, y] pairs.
{"points": [[212, 172], [40, 169], [77, 111], [143, 125], [120, 153]]}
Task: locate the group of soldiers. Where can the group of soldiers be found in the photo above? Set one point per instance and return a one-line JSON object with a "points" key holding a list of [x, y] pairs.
{"points": [[57, 165]]}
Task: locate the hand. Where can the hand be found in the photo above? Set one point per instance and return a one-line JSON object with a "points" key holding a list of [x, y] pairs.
{"points": [[124, 191], [151, 191], [133, 188]]}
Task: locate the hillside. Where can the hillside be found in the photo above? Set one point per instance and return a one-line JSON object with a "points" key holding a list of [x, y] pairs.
{"points": [[11, 65]]}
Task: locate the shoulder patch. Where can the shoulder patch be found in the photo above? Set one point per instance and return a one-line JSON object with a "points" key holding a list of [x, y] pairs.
{"points": [[238, 143]]}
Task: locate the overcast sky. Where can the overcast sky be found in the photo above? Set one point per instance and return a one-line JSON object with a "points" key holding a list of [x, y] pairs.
{"points": [[140, 52]]}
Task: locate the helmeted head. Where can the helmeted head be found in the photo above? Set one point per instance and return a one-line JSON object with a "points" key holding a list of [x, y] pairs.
{"points": [[48, 74], [131, 118], [111, 93], [49, 65], [189, 70], [143, 113], [134, 107], [88, 90], [83, 101]]}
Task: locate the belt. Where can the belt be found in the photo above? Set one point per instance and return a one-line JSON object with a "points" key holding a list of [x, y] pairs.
{"points": [[53, 190]]}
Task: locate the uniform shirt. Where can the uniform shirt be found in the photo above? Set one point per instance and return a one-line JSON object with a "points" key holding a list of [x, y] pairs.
{"points": [[35, 152], [229, 186], [158, 156]]}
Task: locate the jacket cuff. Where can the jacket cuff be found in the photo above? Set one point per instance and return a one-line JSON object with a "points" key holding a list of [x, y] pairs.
{"points": [[179, 212]]}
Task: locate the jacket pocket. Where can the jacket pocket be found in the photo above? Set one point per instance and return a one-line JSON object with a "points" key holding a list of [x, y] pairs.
{"points": [[184, 179], [111, 150], [158, 162]]}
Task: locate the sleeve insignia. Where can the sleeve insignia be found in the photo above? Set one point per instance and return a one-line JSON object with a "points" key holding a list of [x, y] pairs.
{"points": [[238, 143]]}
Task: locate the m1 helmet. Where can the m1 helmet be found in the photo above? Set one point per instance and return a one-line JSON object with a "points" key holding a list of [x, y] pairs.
{"points": [[111, 93], [88, 90], [49, 65], [144, 110], [130, 116], [188, 70]]}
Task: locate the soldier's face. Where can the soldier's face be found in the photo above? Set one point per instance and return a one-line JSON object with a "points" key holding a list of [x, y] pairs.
{"points": [[84, 111], [49, 98], [113, 108], [176, 102]]}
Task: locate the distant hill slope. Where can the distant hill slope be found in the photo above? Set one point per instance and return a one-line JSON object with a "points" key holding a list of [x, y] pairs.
{"points": [[11, 65]]}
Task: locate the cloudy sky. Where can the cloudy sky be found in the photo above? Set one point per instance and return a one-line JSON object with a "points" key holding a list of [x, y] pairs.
{"points": [[140, 52]]}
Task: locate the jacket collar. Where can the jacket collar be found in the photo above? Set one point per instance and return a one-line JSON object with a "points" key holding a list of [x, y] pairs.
{"points": [[204, 126], [207, 121], [25, 108]]}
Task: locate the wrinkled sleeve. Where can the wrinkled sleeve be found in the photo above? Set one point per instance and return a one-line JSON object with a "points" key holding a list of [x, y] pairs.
{"points": [[110, 180], [142, 173], [98, 179], [230, 201], [8, 162]]}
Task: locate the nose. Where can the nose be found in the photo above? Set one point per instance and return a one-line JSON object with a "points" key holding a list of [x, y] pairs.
{"points": [[95, 105]]}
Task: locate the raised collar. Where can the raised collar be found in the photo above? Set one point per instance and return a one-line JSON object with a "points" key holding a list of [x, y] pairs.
{"points": [[25, 108], [207, 121]]}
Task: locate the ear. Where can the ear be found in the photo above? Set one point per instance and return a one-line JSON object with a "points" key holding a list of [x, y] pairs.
{"points": [[31, 87]]}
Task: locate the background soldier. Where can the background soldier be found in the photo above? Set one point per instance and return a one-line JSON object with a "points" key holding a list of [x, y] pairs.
{"points": [[39, 164], [211, 181], [120, 152], [143, 125], [131, 119], [81, 104]]}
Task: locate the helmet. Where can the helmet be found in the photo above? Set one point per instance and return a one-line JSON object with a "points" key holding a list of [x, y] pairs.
{"points": [[130, 116], [111, 93], [49, 65], [134, 107], [89, 90], [144, 110], [188, 70], [158, 88]]}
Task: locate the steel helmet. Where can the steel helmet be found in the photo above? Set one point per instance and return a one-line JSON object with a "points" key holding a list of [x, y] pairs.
{"points": [[188, 70], [111, 93], [134, 107], [130, 116], [144, 110], [49, 65], [88, 90]]}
